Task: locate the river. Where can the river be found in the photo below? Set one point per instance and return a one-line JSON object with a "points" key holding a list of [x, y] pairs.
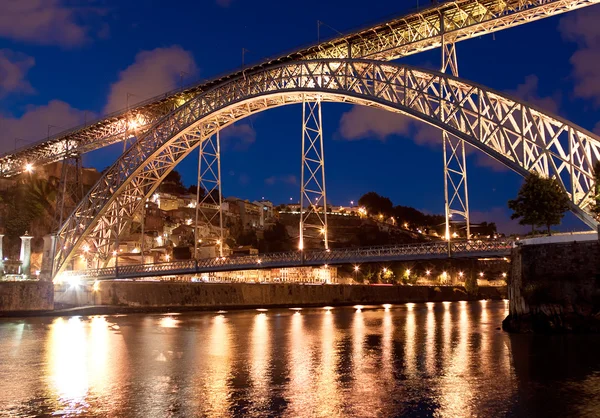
{"points": [[443, 359]]}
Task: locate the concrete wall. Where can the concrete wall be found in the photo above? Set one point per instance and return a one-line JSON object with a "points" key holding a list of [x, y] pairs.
{"points": [[26, 296], [217, 295], [554, 288]]}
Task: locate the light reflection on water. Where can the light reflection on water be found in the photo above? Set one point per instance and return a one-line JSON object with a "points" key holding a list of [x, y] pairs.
{"points": [[446, 359]]}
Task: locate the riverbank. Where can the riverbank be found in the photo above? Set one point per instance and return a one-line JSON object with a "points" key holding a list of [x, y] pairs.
{"points": [[116, 297]]}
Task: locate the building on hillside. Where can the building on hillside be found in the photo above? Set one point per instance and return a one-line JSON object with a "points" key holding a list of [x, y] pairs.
{"points": [[266, 211], [244, 250], [284, 275]]}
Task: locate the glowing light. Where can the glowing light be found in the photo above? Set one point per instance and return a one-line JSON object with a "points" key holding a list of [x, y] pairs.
{"points": [[460, 273], [188, 221], [262, 310], [259, 261], [322, 230], [73, 281], [387, 306], [481, 274], [86, 248], [503, 274], [356, 268], [327, 308], [430, 305], [218, 242], [408, 272], [410, 306], [29, 167], [114, 253], [168, 257], [405, 225], [326, 266], [96, 286], [358, 307], [428, 272], [385, 269], [295, 309]]}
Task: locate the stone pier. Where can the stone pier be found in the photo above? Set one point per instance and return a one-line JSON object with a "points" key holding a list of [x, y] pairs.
{"points": [[26, 256], [554, 288]]}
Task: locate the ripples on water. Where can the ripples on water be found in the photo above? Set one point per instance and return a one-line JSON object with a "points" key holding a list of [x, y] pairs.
{"points": [[442, 359]]}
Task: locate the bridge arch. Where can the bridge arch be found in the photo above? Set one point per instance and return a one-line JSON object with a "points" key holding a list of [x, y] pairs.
{"points": [[522, 137]]}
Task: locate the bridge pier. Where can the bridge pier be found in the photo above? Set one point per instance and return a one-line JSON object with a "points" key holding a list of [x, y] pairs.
{"points": [[554, 288]]}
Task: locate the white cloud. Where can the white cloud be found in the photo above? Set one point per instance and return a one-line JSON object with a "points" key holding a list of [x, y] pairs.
{"points": [[239, 136], [33, 124], [582, 27], [363, 122], [152, 73], [48, 22], [13, 69]]}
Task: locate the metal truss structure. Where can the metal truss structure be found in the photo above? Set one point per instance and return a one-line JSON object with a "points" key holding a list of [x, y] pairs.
{"points": [[405, 252], [70, 189], [456, 193], [523, 137], [313, 194], [423, 30], [209, 180]]}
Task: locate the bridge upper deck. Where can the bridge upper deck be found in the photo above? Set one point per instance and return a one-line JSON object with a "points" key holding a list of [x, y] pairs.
{"points": [[406, 35]]}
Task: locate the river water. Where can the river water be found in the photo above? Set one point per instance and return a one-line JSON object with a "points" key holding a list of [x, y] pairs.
{"points": [[436, 359]]}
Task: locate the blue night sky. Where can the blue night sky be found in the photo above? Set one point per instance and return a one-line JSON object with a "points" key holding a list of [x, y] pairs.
{"points": [[64, 61]]}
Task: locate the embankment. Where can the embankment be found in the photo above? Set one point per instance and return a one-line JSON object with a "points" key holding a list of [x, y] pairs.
{"points": [[26, 296], [554, 288], [186, 295]]}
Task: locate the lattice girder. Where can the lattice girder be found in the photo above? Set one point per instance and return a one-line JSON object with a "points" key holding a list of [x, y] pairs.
{"points": [[522, 137], [454, 21]]}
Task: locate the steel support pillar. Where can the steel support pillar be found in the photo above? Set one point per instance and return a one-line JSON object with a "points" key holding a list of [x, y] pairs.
{"points": [[209, 205], [456, 195], [69, 191], [313, 195]]}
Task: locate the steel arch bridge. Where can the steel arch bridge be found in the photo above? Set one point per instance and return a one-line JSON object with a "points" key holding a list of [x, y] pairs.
{"points": [[522, 137]]}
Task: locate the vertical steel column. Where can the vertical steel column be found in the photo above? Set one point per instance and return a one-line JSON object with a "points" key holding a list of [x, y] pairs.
{"points": [[209, 179], [312, 177], [142, 243], [456, 194], [69, 190]]}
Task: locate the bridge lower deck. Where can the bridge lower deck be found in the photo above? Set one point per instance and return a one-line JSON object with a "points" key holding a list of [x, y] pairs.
{"points": [[405, 252]]}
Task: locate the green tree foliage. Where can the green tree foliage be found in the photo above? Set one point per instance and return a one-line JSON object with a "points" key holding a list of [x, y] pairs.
{"points": [[595, 207], [541, 202], [172, 184], [193, 189], [412, 216], [376, 204], [471, 285]]}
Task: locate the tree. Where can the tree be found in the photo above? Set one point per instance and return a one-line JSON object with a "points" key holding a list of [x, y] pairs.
{"points": [[172, 184], [376, 204], [193, 189], [541, 202], [595, 206]]}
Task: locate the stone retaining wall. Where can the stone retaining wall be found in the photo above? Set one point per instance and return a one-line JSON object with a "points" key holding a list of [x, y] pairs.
{"points": [[26, 296], [240, 295], [554, 288]]}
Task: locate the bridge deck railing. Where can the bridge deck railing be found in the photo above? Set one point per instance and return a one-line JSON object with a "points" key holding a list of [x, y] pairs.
{"points": [[471, 248]]}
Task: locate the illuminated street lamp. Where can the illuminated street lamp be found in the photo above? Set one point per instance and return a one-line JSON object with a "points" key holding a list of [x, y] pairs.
{"points": [[29, 167]]}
